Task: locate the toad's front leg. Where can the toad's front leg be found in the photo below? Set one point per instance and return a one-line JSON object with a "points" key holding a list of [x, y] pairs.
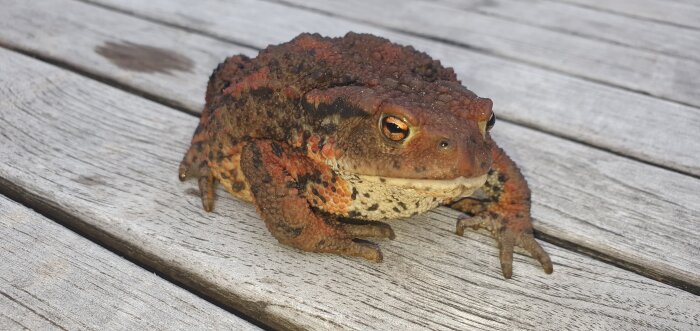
{"points": [[279, 179], [505, 212]]}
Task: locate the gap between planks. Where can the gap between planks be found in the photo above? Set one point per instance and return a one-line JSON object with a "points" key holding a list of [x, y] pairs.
{"points": [[686, 98], [652, 11], [608, 136], [212, 66], [52, 275], [137, 210], [9, 189], [589, 23]]}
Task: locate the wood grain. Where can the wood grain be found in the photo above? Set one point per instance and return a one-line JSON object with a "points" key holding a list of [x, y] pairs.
{"points": [[53, 279], [114, 47], [107, 161], [592, 23], [639, 126], [680, 13]]}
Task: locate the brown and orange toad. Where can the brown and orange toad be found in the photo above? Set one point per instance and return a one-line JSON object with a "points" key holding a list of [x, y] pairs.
{"points": [[329, 135]]}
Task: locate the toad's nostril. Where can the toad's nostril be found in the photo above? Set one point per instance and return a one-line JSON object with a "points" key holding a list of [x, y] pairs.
{"points": [[444, 144]]}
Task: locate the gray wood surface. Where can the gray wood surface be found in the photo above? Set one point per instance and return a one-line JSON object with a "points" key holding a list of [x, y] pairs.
{"points": [[93, 40], [653, 73], [53, 279], [628, 123], [614, 230], [593, 23], [119, 184], [684, 13]]}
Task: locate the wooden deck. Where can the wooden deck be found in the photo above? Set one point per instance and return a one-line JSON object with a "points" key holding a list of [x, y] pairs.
{"points": [[598, 101]]}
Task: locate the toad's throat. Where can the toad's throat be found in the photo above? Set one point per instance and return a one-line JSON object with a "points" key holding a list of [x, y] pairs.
{"points": [[459, 187], [377, 197]]}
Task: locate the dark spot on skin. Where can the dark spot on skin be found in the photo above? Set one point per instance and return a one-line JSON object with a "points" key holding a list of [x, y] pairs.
{"points": [[354, 214], [328, 128], [484, 165], [333, 188], [338, 107], [277, 149], [354, 193], [373, 207], [262, 92], [288, 231], [419, 169], [402, 205], [381, 179], [316, 176], [144, 58], [199, 147], [366, 195], [325, 184], [238, 186], [225, 175], [395, 209], [266, 178], [417, 204], [220, 155], [90, 180], [257, 156]]}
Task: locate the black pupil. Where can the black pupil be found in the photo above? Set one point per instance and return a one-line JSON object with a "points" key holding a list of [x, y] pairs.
{"points": [[393, 128], [491, 121]]}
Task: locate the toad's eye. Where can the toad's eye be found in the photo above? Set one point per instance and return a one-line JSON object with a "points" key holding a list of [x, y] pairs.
{"points": [[491, 122], [394, 128]]}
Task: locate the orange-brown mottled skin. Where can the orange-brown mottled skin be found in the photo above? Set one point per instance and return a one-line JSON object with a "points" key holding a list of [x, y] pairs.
{"points": [[324, 134]]}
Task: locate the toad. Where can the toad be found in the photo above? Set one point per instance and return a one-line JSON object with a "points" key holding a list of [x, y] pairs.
{"points": [[329, 136]]}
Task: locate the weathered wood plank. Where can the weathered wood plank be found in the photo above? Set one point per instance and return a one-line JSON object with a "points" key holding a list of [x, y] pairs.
{"points": [[664, 132], [51, 278], [142, 56], [652, 73], [120, 185], [591, 23], [624, 118], [680, 13]]}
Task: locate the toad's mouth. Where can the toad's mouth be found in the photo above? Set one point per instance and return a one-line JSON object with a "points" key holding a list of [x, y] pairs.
{"points": [[458, 187]]}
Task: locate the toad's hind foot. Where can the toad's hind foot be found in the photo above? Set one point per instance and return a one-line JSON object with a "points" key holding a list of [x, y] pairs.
{"points": [[508, 234]]}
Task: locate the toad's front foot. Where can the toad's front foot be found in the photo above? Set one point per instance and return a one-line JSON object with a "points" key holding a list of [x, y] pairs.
{"points": [[516, 231]]}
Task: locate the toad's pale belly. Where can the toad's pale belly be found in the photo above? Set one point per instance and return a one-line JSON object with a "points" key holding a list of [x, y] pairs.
{"points": [[379, 198]]}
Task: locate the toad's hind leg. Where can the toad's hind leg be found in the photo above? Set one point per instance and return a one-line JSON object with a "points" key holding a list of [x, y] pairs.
{"points": [[277, 180], [195, 165]]}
